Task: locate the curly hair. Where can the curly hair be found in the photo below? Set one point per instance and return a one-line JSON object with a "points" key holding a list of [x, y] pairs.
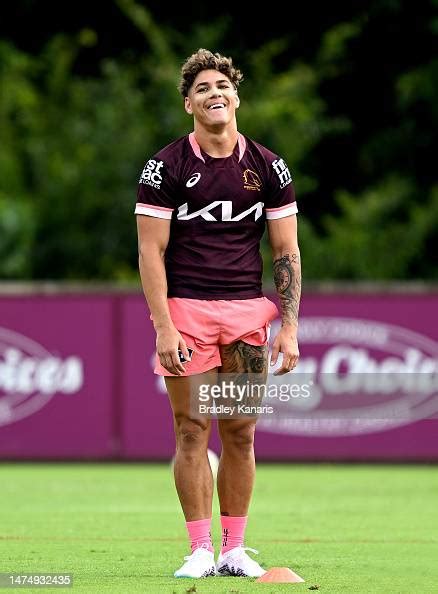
{"points": [[203, 59]]}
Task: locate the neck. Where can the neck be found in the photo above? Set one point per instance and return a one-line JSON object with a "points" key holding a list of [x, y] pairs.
{"points": [[217, 143]]}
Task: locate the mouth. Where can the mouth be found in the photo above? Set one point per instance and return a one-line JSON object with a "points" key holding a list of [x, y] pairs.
{"points": [[215, 106]]}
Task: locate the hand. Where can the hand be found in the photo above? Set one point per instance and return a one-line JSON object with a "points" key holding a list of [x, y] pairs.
{"points": [[285, 342], [169, 340]]}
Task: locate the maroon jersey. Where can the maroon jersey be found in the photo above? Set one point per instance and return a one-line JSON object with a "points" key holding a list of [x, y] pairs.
{"points": [[218, 208]]}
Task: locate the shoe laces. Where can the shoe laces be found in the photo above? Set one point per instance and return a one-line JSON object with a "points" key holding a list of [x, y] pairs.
{"points": [[192, 556], [240, 552], [243, 549], [249, 549]]}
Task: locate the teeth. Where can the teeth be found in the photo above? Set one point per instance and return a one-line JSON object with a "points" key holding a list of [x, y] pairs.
{"points": [[216, 105]]}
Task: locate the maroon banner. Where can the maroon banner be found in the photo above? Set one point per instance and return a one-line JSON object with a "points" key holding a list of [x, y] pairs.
{"points": [[383, 348], [360, 337], [76, 381], [147, 427], [57, 377]]}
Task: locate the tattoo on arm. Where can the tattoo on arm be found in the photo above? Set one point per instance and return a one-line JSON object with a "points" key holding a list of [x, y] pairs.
{"points": [[287, 278]]}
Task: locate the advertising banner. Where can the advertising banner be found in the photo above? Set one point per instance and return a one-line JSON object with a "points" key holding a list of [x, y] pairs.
{"points": [[366, 387], [372, 362], [77, 381], [147, 426], [57, 377]]}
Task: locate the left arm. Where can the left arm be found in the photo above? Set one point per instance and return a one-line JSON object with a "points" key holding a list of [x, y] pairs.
{"points": [[287, 277]]}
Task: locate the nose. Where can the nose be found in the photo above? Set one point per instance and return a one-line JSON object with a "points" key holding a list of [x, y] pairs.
{"points": [[215, 92]]}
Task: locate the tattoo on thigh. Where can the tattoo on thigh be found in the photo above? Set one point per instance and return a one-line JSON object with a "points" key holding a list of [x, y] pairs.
{"points": [[240, 357]]}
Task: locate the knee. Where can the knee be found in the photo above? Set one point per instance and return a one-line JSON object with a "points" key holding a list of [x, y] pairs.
{"points": [[191, 434], [240, 437]]}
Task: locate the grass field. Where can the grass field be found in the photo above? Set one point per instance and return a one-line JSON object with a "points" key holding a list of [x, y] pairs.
{"points": [[118, 528]]}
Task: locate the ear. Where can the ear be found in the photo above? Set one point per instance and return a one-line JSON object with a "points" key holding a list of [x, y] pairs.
{"points": [[187, 105], [237, 100]]}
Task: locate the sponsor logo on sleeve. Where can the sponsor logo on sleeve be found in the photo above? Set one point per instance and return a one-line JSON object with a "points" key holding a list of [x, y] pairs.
{"points": [[282, 170], [152, 174]]}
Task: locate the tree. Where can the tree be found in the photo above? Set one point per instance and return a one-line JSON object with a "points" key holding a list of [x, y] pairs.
{"points": [[354, 115]]}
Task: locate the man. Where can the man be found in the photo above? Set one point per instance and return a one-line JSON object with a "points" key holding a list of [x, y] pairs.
{"points": [[202, 205]]}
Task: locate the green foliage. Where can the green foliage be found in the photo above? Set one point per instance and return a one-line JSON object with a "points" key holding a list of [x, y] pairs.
{"points": [[379, 234], [73, 148], [72, 153], [288, 116], [16, 237]]}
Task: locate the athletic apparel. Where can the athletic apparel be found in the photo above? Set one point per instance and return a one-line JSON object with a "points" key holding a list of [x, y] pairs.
{"points": [[233, 532], [217, 208], [200, 534], [197, 565], [237, 563], [205, 324]]}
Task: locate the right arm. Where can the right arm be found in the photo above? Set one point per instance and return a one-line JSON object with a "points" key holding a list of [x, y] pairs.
{"points": [[153, 237]]}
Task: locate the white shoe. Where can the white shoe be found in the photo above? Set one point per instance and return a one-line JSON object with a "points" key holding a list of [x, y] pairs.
{"points": [[197, 565], [236, 562]]}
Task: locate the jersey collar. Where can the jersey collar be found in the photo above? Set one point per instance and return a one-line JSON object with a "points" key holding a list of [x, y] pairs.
{"points": [[241, 141]]}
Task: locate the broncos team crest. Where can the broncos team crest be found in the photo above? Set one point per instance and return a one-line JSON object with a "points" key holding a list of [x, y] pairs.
{"points": [[251, 180]]}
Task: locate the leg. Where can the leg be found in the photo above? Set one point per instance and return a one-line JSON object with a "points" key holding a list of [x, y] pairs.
{"points": [[236, 472], [237, 464], [193, 478]]}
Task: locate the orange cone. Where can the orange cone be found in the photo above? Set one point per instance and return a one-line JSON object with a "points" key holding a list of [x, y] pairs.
{"points": [[280, 575]]}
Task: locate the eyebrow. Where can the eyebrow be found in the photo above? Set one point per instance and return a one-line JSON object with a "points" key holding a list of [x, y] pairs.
{"points": [[222, 80]]}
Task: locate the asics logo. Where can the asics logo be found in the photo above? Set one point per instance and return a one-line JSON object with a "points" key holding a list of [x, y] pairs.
{"points": [[226, 212], [193, 180]]}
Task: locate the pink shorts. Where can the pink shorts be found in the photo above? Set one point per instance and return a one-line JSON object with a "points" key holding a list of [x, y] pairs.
{"points": [[206, 324]]}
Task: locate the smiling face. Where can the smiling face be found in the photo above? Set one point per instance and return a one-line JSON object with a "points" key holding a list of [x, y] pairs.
{"points": [[212, 99]]}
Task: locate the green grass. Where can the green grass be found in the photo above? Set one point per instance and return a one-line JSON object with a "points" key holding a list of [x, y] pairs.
{"points": [[118, 528]]}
